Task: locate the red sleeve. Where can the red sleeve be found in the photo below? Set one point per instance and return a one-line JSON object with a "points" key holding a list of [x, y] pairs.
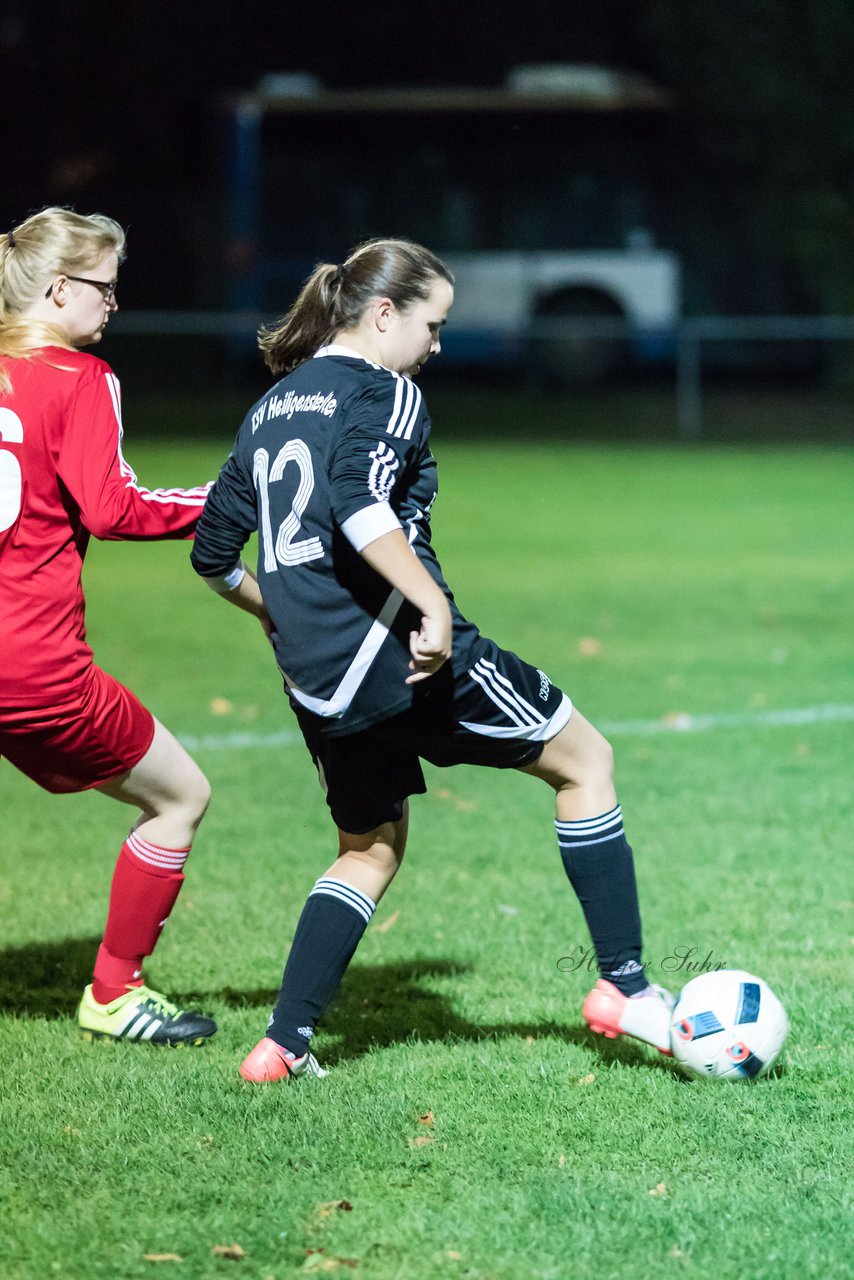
{"points": [[91, 466]]}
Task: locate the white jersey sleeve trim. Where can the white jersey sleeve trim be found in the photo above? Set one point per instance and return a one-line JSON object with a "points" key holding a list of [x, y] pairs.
{"points": [[407, 405], [227, 581], [332, 708], [115, 390], [194, 497], [369, 524]]}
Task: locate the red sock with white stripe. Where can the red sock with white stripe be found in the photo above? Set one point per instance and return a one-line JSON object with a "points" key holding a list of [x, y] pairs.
{"points": [[146, 882]]}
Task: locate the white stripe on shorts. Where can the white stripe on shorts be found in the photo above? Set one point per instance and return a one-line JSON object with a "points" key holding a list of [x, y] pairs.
{"points": [[500, 691], [541, 732]]}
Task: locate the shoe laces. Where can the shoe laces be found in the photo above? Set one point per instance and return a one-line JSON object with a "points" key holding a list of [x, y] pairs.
{"points": [[157, 1002], [307, 1065]]}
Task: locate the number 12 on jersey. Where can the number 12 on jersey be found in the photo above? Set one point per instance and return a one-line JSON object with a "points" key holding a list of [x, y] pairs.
{"points": [[287, 549]]}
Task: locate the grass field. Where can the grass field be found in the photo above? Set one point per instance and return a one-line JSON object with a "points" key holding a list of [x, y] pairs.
{"points": [[470, 1125]]}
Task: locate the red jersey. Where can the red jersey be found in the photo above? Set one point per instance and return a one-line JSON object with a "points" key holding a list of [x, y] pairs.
{"points": [[63, 478]]}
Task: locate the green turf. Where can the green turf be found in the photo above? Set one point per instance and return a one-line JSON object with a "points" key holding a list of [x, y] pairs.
{"points": [[652, 584]]}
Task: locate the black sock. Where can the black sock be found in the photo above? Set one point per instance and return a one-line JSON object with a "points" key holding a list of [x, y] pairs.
{"points": [[330, 928], [598, 861]]}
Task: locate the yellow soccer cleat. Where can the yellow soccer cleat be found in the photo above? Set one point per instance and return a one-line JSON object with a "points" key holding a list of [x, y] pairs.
{"points": [[142, 1015]]}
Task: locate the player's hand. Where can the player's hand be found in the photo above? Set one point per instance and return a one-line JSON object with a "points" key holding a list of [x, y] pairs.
{"points": [[430, 647], [266, 625]]}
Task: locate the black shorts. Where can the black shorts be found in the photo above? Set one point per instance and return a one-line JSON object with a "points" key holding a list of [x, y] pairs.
{"points": [[499, 712]]}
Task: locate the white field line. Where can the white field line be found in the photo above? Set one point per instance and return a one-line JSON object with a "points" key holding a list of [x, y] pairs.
{"points": [[680, 722], [240, 741], [683, 722]]}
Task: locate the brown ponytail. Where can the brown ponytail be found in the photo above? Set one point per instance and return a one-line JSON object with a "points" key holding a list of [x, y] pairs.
{"points": [[334, 298]]}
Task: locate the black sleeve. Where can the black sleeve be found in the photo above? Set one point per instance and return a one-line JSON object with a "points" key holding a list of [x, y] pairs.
{"points": [[228, 519]]}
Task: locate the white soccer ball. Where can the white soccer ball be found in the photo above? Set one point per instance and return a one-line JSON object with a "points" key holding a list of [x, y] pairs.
{"points": [[728, 1025]]}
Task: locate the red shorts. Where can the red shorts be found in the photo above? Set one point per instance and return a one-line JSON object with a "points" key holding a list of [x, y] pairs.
{"points": [[100, 735]]}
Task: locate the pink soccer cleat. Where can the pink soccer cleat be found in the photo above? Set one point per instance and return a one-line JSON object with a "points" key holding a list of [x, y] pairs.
{"points": [[645, 1017], [268, 1061]]}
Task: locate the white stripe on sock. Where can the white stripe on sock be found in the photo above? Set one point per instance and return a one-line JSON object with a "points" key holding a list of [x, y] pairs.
{"points": [[583, 844], [599, 830], [154, 855], [347, 893], [583, 826]]}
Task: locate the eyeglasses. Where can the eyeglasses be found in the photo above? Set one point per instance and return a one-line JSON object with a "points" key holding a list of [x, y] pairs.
{"points": [[107, 289]]}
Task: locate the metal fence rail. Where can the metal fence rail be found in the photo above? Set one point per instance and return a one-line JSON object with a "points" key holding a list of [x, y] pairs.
{"points": [[692, 339], [694, 331]]}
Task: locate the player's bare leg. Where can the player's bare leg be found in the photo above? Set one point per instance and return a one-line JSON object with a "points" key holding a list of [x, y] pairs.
{"points": [[578, 764], [172, 793], [168, 787], [371, 861]]}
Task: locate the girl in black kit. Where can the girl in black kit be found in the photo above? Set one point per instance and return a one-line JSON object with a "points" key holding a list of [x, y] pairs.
{"points": [[333, 469]]}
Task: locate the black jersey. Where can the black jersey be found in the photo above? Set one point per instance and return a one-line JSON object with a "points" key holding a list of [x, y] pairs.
{"points": [[334, 456]]}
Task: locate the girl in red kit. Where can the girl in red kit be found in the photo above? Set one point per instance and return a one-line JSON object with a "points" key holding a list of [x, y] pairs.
{"points": [[63, 721]]}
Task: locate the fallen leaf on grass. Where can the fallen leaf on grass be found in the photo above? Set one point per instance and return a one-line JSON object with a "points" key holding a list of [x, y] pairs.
{"points": [[461, 806], [326, 1207], [316, 1260], [387, 924], [452, 1253], [69, 1128], [421, 1141], [162, 1257], [588, 1079], [660, 1190], [676, 1253], [221, 707], [228, 1251], [427, 1118]]}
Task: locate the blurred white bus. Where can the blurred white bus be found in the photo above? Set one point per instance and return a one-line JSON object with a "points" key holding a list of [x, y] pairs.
{"points": [[540, 195]]}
